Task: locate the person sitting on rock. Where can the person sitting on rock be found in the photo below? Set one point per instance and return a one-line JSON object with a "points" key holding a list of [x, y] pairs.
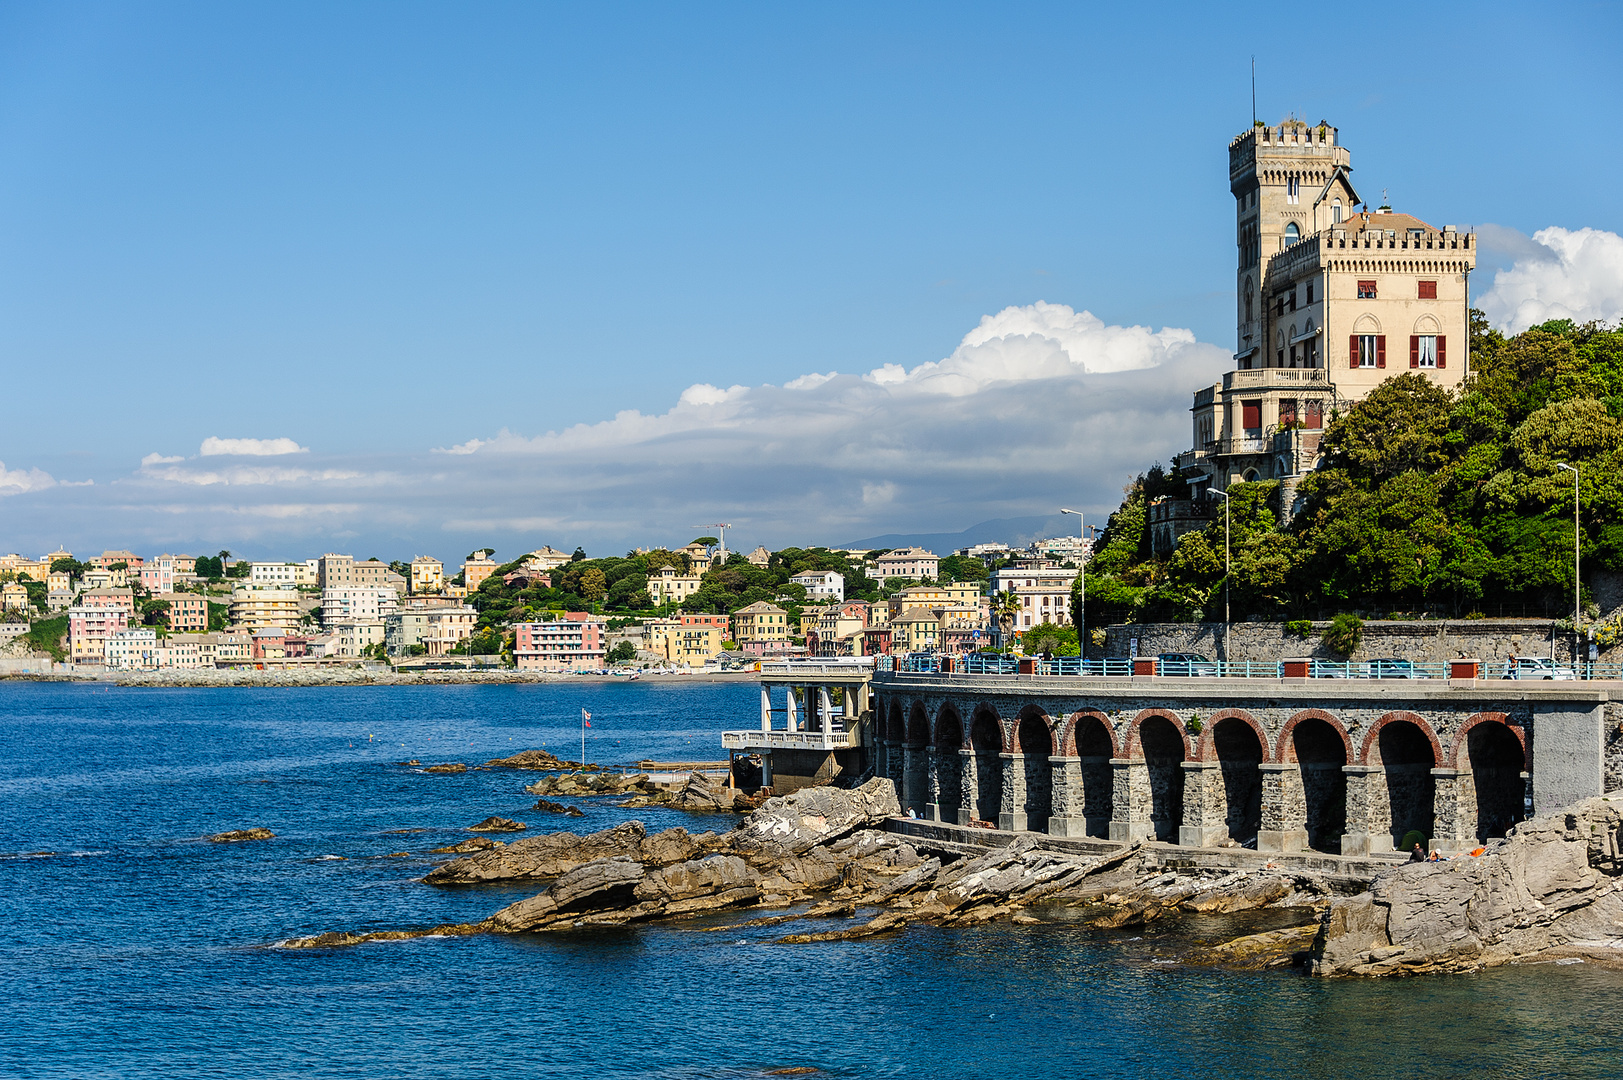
{"points": [[1417, 855]]}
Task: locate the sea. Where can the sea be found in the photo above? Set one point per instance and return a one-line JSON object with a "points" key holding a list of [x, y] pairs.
{"points": [[132, 947]]}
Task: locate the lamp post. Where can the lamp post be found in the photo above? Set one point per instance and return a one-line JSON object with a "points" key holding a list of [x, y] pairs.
{"points": [[1577, 587], [1227, 567], [1082, 576]]}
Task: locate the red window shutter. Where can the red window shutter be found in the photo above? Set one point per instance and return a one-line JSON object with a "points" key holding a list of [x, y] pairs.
{"points": [[1380, 350], [1414, 350], [1251, 414], [1442, 352], [1352, 349]]}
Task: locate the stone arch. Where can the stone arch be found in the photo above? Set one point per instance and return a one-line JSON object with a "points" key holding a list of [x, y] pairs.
{"points": [[1163, 747], [986, 740], [1236, 742], [1205, 748], [1369, 753], [1090, 739], [915, 763], [1135, 746], [895, 739], [1495, 752], [1034, 742], [1367, 324], [949, 739], [1088, 734], [1427, 324], [1317, 744], [918, 727], [1406, 748]]}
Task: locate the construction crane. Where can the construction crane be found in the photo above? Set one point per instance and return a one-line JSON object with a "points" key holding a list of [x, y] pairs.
{"points": [[721, 535]]}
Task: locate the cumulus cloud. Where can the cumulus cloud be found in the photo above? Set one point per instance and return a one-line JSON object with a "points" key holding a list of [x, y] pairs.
{"points": [[1558, 274], [22, 481], [1037, 407], [214, 446]]}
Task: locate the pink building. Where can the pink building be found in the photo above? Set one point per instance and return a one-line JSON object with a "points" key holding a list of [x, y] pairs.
{"points": [[571, 643], [89, 627], [158, 574], [123, 599]]}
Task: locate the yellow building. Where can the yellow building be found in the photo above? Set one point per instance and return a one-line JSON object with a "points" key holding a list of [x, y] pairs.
{"points": [[427, 575], [670, 586], [476, 570], [264, 609], [686, 640], [760, 627]]}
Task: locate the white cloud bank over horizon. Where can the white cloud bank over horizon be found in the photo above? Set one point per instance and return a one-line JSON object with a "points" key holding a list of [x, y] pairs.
{"points": [[1561, 273], [1038, 406]]}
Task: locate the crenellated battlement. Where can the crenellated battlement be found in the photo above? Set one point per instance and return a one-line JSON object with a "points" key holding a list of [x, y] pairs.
{"points": [[1283, 146]]}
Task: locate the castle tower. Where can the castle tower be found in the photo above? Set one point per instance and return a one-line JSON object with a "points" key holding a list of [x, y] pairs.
{"points": [[1288, 182]]}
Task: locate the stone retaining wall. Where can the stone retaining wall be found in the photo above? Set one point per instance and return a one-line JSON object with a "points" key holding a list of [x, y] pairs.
{"points": [[1430, 641]]}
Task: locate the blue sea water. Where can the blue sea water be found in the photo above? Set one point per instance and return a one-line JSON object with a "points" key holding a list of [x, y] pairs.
{"points": [[133, 948]]}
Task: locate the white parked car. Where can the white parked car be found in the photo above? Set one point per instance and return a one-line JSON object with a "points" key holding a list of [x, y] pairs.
{"points": [[1537, 667]]}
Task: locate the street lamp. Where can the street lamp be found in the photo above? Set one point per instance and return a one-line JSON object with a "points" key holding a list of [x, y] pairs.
{"points": [[1082, 576], [1577, 593], [1227, 568]]}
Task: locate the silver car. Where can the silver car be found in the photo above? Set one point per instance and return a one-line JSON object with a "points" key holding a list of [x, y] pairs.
{"points": [[1537, 667], [1188, 664]]}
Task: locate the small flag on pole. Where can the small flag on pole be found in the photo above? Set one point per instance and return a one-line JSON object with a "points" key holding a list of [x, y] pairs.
{"points": [[586, 718]]}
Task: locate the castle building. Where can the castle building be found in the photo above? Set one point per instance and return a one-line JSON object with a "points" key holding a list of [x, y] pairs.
{"points": [[1332, 299]]}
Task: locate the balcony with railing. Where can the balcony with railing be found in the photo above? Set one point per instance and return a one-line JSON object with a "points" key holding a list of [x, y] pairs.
{"points": [[1277, 378]]}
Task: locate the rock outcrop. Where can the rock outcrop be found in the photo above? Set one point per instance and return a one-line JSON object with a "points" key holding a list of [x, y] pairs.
{"points": [[239, 835], [556, 854], [1553, 887], [529, 759], [818, 815], [498, 824], [547, 806]]}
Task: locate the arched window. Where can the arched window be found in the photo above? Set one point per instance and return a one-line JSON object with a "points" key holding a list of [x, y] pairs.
{"points": [[1292, 234], [1335, 212], [1250, 289]]}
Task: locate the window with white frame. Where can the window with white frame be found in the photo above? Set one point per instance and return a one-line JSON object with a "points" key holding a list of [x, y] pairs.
{"points": [[1366, 350], [1428, 350]]}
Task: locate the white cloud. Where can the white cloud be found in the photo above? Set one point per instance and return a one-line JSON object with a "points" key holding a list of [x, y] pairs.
{"points": [[159, 459], [214, 446], [1037, 407], [1560, 274], [22, 481]]}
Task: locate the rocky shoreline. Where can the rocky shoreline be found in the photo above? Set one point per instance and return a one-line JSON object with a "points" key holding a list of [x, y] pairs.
{"points": [[1552, 889]]}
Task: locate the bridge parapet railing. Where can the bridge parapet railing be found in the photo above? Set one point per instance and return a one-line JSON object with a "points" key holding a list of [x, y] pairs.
{"points": [[982, 664]]}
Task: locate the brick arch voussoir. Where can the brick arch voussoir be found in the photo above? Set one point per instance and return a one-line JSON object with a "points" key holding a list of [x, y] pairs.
{"points": [[1025, 714], [1457, 750], [1067, 747], [1372, 737], [1206, 748], [1135, 748], [1285, 750]]}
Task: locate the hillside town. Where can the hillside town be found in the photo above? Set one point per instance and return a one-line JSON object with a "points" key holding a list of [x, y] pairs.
{"points": [[696, 607]]}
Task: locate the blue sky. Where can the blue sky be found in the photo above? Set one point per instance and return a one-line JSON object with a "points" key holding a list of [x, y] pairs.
{"points": [[382, 231]]}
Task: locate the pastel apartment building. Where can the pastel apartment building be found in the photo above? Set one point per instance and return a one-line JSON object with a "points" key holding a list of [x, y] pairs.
{"points": [[188, 612], [89, 627], [686, 640], [344, 572], [821, 584], [109, 559], [358, 604], [1044, 592], [260, 609], [761, 628], [668, 585], [13, 597], [158, 574], [132, 648], [574, 642], [476, 570], [910, 563], [280, 575], [427, 575]]}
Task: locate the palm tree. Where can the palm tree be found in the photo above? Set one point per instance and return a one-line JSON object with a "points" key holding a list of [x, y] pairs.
{"points": [[1007, 609]]}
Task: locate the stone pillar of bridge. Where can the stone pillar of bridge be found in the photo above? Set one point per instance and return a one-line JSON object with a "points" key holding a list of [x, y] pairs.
{"points": [[825, 709], [1205, 806], [907, 792], [1130, 801], [1012, 809], [1284, 808], [1066, 817], [1453, 810], [968, 786], [932, 785], [1369, 816]]}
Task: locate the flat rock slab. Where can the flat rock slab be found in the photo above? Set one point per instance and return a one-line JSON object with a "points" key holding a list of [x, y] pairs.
{"points": [[240, 835], [498, 824]]}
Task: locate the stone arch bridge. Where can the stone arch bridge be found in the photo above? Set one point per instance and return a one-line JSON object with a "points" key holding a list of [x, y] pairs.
{"points": [[1292, 764]]}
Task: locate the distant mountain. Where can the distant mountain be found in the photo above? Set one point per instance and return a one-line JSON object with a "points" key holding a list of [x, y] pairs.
{"points": [[1016, 532]]}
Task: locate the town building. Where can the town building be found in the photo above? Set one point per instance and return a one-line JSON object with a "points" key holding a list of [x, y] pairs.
{"points": [[13, 597], [278, 575], [158, 574], [1044, 592], [427, 575], [448, 627], [989, 554], [132, 648], [187, 612], [669, 585], [1332, 300], [89, 627], [759, 557], [122, 599], [573, 642], [685, 640], [219, 649], [761, 628], [547, 558], [356, 604], [838, 632], [970, 593], [477, 569], [821, 584], [343, 572], [1072, 549], [356, 638], [261, 609], [109, 559], [910, 563], [61, 591], [107, 579]]}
